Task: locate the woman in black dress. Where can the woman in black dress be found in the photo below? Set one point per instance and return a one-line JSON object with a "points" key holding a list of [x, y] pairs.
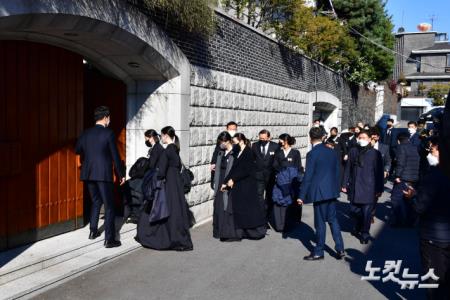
{"points": [[248, 214], [223, 220], [286, 215], [155, 151], [171, 233]]}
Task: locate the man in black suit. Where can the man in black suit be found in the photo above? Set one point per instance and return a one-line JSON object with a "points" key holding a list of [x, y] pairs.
{"points": [[264, 152], [383, 149], [387, 138], [413, 134], [97, 148]]}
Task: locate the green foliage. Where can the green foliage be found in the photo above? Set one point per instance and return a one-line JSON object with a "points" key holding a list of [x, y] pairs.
{"points": [[326, 39], [439, 93], [194, 15], [370, 18]]}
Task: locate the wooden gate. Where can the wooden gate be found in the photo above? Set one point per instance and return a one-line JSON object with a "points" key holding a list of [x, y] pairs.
{"points": [[43, 108]]}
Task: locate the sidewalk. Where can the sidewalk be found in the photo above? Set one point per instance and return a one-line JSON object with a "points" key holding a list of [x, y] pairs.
{"points": [[271, 268]]}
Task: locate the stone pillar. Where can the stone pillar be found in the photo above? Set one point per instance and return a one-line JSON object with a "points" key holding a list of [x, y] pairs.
{"points": [[153, 104]]}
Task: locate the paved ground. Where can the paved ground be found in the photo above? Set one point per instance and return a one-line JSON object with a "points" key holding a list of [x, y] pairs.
{"points": [[268, 269]]}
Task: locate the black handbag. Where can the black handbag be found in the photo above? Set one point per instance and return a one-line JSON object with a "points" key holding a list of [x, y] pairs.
{"points": [[187, 177]]}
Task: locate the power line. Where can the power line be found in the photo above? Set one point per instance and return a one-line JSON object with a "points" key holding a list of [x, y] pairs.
{"points": [[380, 45]]}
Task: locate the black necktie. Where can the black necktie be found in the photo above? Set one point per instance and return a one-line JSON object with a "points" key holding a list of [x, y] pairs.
{"points": [[263, 150]]}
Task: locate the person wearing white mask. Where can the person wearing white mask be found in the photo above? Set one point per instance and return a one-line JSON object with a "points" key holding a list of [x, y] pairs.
{"points": [[364, 183], [414, 137]]}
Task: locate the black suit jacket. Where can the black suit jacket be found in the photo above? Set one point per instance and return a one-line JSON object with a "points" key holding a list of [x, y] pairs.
{"points": [[292, 160], [97, 148], [264, 163]]}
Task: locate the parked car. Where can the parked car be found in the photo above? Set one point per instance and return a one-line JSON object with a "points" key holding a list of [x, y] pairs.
{"points": [[430, 115]]}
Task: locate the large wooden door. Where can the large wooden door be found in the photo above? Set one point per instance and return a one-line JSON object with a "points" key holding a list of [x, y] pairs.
{"points": [[41, 115]]}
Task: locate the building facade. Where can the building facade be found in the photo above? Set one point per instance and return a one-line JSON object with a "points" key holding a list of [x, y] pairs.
{"points": [[423, 61]]}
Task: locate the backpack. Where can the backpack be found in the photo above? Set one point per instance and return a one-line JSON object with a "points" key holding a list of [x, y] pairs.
{"points": [[186, 177]]}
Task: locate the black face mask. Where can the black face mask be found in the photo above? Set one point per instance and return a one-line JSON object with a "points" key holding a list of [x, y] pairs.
{"points": [[236, 148], [148, 144], [263, 143], [280, 144]]}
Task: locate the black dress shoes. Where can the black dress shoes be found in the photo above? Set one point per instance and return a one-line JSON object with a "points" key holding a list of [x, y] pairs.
{"points": [[93, 235], [340, 254], [313, 257], [112, 244]]}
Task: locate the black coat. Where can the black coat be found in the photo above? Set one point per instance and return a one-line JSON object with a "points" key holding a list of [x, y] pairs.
{"points": [[264, 163], [97, 148], [433, 205], [363, 176], [247, 210], [407, 162], [155, 153], [292, 160]]}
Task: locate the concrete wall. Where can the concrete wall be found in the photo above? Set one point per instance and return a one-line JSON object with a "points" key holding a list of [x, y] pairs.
{"points": [[218, 97]]}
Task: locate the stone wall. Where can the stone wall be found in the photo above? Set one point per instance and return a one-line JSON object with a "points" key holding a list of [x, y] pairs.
{"points": [[240, 74], [218, 97]]}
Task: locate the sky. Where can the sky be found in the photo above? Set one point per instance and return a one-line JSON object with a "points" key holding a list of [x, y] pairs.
{"points": [[410, 13]]}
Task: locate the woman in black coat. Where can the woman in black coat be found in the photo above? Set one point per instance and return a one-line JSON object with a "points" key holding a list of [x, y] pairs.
{"points": [[249, 217], [171, 233], [283, 218], [155, 151], [223, 219]]}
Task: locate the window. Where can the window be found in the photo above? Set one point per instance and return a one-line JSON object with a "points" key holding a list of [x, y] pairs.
{"points": [[418, 63], [411, 112], [440, 37], [448, 61]]}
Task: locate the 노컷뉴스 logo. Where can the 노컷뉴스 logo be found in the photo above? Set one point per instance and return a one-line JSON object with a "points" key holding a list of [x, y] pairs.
{"points": [[393, 271]]}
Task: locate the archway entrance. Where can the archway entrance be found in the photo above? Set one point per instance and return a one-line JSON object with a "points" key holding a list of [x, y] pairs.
{"points": [[47, 99], [150, 75]]}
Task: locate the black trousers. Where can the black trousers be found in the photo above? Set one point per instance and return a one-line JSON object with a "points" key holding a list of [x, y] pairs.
{"points": [[264, 183], [362, 213], [101, 192], [437, 256]]}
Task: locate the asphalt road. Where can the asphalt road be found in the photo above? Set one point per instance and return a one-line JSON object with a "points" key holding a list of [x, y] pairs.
{"points": [[272, 268]]}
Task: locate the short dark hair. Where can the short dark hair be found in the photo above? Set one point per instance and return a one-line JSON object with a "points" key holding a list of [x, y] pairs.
{"points": [[363, 131], [224, 136], [264, 131], [316, 120], [334, 128], [101, 112], [403, 137], [316, 133], [421, 122], [412, 123], [374, 131], [232, 123], [390, 120]]}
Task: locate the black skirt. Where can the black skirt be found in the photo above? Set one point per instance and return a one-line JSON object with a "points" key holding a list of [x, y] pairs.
{"points": [[285, 218], [171, 233]]}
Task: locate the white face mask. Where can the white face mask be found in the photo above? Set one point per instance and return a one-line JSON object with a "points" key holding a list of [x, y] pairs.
{"points": [[363, 143], [412, 130], [232, 132], [432, 160], [316, 125]]}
